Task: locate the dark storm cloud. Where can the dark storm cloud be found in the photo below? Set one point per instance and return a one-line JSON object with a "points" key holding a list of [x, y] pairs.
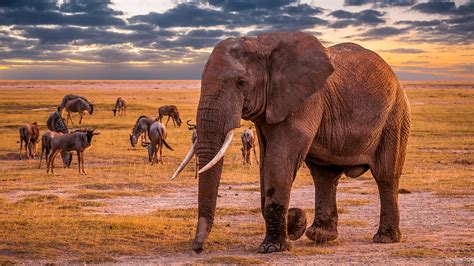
{"points": [[381, 3], [365, 17]]}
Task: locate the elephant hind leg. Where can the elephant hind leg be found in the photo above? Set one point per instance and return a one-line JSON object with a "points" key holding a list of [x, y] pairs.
{"points": [[386, 170], [326, 178]]}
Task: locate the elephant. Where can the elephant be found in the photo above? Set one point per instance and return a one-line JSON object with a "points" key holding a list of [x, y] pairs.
{"points": [[340, 110]]}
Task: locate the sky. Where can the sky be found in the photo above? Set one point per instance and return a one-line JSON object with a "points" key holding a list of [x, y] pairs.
{"points": [[171, 39]]}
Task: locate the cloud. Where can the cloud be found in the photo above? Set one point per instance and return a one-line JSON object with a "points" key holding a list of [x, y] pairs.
{"points": [[404, 51], [364, 17], [272, 15], [48, 12], [382, 32], [435, 7], [380, 3]]}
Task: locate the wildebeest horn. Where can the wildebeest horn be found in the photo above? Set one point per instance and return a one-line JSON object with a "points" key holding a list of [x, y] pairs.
{"points": [[185, 162], [220, 154], [189, 124]]}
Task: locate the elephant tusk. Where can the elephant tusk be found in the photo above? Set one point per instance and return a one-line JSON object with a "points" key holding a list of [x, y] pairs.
{"points": [[220, 154], [185, 162]]}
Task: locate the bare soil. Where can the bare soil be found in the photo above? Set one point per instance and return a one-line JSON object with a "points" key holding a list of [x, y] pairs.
{"points": [[430, 225]]}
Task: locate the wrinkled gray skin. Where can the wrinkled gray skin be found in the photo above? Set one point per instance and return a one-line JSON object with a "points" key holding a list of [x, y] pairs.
{"points": [[340, 110]]}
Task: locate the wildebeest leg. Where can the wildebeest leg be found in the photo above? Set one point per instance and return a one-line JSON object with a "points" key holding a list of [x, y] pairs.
{"points": [[82, 163], [63, 157], [69, 117], [30, 150], [255, 153], [21, 146], [167, 121], [43, 148], [79, 161], [161, 153], [52, 158], [80, 119]]}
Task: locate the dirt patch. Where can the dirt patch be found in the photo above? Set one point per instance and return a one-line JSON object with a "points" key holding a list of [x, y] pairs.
{"points": [[428, 234], [441, 150]]}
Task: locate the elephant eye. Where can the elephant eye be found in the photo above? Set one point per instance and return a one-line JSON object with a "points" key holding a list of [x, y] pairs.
{"points": [[241, 83]]}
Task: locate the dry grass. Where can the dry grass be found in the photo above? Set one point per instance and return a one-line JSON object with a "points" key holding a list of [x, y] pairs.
{"points": [[44, 225]]}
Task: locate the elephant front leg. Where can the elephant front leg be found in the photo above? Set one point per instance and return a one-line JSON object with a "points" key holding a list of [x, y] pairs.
{"points": [[324, 227], [277, 181]]}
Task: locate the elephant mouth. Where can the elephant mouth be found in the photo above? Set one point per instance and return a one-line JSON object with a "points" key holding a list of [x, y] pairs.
{"points": [[212, 162]]}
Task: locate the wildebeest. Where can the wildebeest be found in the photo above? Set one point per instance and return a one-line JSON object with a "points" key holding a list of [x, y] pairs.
{"points": [[157, 135], [67, 98], [56, 123], [120, 107], [141, 128], [248, 144], [46, 149], [80, 106], [172, 112], [78, 141], [29, 134]]}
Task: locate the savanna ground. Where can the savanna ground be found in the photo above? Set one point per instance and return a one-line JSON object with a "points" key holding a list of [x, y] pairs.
{"points": [[126, 210]]}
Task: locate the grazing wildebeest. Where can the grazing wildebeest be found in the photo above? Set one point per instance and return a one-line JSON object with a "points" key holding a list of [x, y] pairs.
{"points": [[172, 112], [29, 134], [77, 141], [56, 123], [67, 98], [248, 144], [46, 149], [141, 128], [120, 107], [157, 135], [79, 106]]}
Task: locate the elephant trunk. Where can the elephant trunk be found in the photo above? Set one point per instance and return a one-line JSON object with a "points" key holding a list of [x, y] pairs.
{"points": [[214, 121]]}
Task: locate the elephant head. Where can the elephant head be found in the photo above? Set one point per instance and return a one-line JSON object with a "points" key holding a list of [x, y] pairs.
{"points": [[263, 79]]}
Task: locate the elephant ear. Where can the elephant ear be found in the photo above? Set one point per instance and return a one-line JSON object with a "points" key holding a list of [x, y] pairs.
{"points": [[299, 67]]}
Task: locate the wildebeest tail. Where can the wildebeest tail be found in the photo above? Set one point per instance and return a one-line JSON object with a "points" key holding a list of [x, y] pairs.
{"points": [[163, 140]]}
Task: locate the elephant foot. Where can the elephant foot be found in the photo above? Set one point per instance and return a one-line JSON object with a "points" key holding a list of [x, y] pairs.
{"points": [[387, 236], [320, 235], [268, 246], [296, 223]]}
